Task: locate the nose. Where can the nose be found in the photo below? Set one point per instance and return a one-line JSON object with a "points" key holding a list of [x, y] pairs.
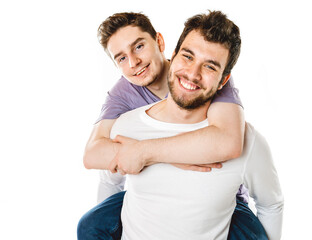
{"points": [[133, 60], [194, 72]]}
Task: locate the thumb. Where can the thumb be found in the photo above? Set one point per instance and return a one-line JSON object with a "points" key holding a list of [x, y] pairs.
{"points": [[118, 139]]}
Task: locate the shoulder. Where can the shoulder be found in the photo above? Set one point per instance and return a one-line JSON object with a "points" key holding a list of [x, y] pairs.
{"points": [[129, 92], [250, 136], [253, 136], [130, 123], [122, 85], [135, 113], [257, 148]]}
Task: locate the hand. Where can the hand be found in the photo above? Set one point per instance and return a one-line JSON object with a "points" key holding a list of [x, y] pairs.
{"points": [[128, 159], [198, 168]]}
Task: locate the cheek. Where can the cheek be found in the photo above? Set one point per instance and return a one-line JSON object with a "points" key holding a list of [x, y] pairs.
{"points": [[124, 70], [209, 84], [177, 67]]}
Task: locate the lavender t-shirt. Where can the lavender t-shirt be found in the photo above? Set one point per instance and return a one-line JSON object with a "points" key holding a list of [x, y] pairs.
{"points": [[125, 96]]}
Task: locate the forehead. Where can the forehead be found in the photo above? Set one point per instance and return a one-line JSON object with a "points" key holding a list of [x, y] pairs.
{"points": [[124, 37]]}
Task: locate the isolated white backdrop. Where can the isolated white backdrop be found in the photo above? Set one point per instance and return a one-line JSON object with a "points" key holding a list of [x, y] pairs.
{"points": [[54, 76]]}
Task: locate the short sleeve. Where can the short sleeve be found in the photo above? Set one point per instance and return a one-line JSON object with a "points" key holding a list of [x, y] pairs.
{"points": [[113, 107], [116, 101], [124, 97], [228, 94]]}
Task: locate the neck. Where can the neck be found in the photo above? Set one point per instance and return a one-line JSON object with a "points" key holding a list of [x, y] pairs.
{"points": [[169, 111], [160, 86]]}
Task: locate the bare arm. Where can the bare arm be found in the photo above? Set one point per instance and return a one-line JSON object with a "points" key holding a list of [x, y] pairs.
{"points": [[100, 149], [222, 140]]}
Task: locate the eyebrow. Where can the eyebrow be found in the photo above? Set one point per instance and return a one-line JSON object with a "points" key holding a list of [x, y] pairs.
{"points": [[217, 64], [131, 45]]}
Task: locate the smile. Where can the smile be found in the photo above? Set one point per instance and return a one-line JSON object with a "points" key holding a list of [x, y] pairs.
{"points": [[141, 71], [187, 85]]}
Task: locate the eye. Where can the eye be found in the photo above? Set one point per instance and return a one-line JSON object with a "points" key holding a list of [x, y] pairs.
{"points": [[210, 67], [138, 47], [121, 60], [187, 57]]}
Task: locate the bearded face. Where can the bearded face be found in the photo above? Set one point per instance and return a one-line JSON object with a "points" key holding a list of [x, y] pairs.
{"points": [[187, 102], [195, 72]]}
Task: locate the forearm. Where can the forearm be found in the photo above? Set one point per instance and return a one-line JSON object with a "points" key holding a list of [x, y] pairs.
{"points": [[271, 219], [222, 140], [203, 146], [99, 153], [100, 149]]}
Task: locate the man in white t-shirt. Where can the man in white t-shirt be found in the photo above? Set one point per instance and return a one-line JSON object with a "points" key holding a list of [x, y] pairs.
{"points": [[164, 202]]}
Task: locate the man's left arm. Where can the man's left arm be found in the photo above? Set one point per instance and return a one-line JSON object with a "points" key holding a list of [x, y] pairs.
{"points": [[222, 140]]}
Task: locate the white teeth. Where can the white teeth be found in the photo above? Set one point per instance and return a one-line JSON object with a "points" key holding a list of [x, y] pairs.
{"points": [[142, 70], [187, 85]]}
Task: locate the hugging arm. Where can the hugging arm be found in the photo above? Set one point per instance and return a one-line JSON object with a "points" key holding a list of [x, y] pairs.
{"points": [[220, 141], [100, 149]]}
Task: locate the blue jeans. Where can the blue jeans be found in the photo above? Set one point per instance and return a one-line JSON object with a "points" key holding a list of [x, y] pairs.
{"points": [[245, 225], [103, 222]]}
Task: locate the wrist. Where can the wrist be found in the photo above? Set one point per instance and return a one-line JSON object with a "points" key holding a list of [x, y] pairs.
{"points": [[146, 152], [116, 147]]}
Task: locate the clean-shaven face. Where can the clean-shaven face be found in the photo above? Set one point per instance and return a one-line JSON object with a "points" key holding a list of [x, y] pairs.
{"points": [[137, 55], [196, 71]]}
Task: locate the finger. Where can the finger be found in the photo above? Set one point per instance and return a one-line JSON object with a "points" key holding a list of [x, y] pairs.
{"points": [[117, 139], [121, 139], [212, 165], [114, 170], [205, 169], [121, 172], [113, 166], [217, 165], [199, 168]]}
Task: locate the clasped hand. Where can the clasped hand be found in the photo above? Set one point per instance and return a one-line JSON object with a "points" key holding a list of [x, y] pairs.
{"points": [[128, 159]]}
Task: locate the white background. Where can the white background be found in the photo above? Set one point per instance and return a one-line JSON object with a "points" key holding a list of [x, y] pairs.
{"points": [[54, 75]]}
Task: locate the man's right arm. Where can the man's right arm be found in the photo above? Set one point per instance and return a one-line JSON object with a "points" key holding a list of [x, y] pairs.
{"points": [[262, 181], [100, 149]]}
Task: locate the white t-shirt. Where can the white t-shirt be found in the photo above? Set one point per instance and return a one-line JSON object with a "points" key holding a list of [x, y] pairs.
{"points": [[165, 202]]}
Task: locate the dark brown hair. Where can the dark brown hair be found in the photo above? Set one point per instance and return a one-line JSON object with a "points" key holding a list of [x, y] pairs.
{"points": [[113, 23], [215, 27]]}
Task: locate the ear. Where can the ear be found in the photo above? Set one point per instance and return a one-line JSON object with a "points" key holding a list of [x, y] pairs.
{"points": [[160, 41], [226, 79]]}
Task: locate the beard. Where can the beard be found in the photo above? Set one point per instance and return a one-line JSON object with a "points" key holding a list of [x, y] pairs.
{"points": [[189, 104]]}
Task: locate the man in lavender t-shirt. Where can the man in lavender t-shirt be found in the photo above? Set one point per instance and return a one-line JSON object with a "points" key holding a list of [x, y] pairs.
{"points": [[138, 51]]}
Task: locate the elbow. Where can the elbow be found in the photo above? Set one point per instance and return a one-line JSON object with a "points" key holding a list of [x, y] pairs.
{"points": [[87, 162], [235, 150]]}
